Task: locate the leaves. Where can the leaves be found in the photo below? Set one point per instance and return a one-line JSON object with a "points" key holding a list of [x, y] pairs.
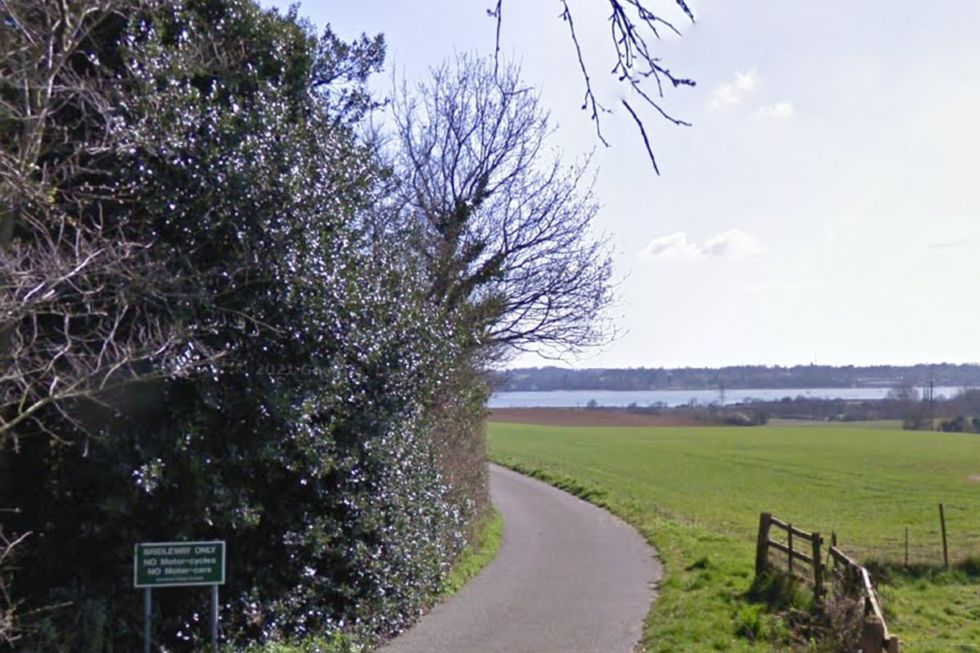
{"points": [[305, 441]]}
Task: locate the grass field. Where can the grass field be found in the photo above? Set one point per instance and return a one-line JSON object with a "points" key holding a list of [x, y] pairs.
{"points": [[696, 493]]}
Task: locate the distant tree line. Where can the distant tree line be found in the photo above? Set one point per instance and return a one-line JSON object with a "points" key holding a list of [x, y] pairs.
{"points": [[229, 310], [959, 413], [920, 410], [740, 377]]}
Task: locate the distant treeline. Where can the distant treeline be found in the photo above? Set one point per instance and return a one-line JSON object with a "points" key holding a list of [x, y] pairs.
{"points": [[742, 376], [960, 413]]}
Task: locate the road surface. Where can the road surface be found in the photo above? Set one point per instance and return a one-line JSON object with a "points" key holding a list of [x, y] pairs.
{"points": [[569, 578]]}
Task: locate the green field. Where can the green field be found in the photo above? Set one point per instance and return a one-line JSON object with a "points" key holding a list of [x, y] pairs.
{"points": [[696, 493]]}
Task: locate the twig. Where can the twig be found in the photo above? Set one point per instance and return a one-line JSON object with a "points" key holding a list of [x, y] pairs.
{"points": [[643, 133]]}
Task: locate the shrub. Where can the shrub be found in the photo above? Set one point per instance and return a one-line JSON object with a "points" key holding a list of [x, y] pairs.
{"points": [[311, 444], [954, 425]]}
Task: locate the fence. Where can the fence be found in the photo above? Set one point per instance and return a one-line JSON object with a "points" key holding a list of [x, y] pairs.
{"points": [[810, 555], [804, 549], [931, 544]]}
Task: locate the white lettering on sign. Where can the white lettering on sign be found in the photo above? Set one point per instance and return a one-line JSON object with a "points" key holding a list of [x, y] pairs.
{"points": [[168, 551], [179, 563]]}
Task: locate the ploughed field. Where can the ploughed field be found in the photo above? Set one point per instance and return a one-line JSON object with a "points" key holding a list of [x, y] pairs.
{"points": [[697, 492]]}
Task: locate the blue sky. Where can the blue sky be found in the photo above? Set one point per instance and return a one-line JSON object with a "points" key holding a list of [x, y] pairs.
{"points": [[823, 207]]}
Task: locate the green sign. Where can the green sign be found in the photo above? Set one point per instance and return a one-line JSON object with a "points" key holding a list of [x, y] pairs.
{"points": [[173, 564]]}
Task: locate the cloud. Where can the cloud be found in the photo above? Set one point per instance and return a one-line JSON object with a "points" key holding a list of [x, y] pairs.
{"points": [[732, 92], [671, 246], [733, 243], [782, 110]]}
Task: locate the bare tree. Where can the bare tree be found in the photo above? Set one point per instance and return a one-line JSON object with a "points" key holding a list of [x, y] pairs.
{"points": [[9, 623], [80, 322], [633, 25], [913, 409], [503, 226], [79, 301]]}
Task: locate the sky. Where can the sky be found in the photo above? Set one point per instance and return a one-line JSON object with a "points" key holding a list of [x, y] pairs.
{"points": [[824, 207]]}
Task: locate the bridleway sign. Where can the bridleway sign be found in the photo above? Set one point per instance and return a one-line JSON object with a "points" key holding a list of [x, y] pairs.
{"points": [[178, 564]]}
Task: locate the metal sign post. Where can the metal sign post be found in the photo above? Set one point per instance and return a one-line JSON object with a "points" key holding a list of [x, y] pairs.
{"points": [[178, 564], [147, 618], [214, 618]]}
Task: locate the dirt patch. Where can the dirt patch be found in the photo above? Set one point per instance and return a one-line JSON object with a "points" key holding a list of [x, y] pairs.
{"points": [[584, 417], [974, 477]]}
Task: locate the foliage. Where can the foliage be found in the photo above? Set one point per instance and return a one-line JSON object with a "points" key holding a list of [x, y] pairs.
{"points": [[301, 433], [85, 305], [335, 644], [739, 376], [696, 494], [205, 336], [953, 425], [457, 436]]}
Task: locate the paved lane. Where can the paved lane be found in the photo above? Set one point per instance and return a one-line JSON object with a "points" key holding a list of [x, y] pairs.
{"points": [[569, 578]]}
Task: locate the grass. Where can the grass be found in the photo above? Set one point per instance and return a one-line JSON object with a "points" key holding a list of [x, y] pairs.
{"points": [[478, 555], [696, 494], [335, 644], [929, 603]]}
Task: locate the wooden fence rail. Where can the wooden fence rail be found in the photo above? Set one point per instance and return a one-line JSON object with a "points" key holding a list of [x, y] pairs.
{"points": [[848, 574], [874, 634]]}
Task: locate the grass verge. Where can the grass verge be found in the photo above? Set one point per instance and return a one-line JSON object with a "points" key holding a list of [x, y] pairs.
{"points": [[335, 644], [477, 555]]}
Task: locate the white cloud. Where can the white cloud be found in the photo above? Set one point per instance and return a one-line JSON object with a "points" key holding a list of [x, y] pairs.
{"points": [[733, 243], [671, 246], [782, 110], [732, 92]]}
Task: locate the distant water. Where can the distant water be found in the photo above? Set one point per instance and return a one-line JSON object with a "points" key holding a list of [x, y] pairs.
{"points": [[644, 398]]}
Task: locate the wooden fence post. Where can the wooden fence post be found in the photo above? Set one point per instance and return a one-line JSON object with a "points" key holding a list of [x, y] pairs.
{"points": [[906, 546], [818, 589], [833, 545], [872, 635], [942, 520], [790, 531], [762, 546]]}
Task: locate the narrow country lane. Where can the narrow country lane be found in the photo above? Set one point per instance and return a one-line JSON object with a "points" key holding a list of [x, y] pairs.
{"points": [[569, 578]]}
